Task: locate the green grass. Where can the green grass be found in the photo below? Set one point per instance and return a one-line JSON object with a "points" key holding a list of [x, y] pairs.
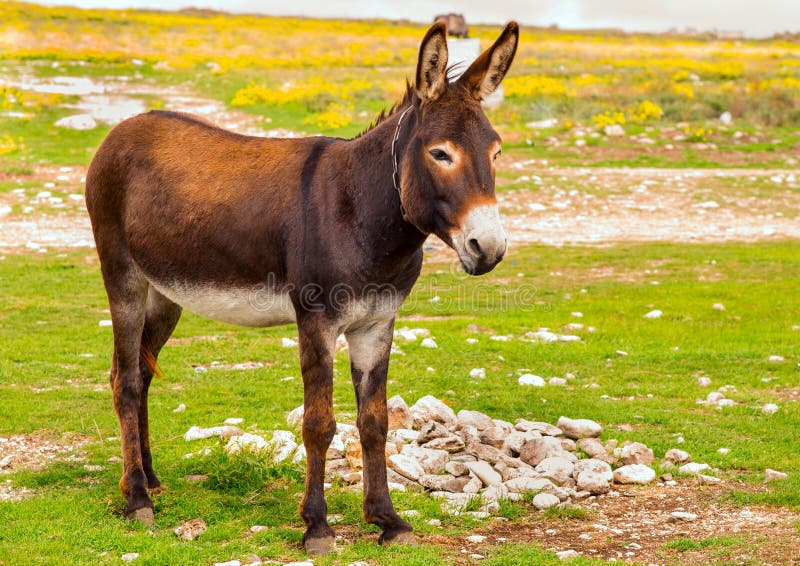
{"points": [[50, 306]]}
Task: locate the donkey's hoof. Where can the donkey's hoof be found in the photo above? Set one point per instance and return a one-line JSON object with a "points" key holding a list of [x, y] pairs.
{"points": [[403, 537], [142, 515], [319, 545]]}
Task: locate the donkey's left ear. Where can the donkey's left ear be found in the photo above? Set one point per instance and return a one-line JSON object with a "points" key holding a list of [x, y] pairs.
{"points": [[487, 71], [432, 65]]}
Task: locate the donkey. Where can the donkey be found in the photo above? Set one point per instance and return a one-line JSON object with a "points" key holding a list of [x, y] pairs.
{"points": [[260, 232]]}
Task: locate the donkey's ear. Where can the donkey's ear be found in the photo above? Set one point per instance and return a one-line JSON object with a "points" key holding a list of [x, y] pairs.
{"points": [[432, 66], [487, 71]]}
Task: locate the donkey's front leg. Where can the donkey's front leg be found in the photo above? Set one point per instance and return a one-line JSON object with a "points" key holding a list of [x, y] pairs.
{"points": [[317, 342], [369, 363]]}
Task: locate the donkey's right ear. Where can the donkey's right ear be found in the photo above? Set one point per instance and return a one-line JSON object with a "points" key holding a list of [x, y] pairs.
{"points": [[432, 66]]}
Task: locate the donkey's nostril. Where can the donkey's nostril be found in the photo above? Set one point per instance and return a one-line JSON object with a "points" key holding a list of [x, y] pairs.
{"points": [[475, 246]]}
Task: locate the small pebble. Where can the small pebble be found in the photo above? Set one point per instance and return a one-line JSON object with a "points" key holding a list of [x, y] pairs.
{"points": [[769, 409], [770, 475], [130, 556]]}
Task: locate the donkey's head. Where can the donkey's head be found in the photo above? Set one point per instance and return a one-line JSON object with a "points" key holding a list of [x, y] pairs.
{"points": [[447, 168]]}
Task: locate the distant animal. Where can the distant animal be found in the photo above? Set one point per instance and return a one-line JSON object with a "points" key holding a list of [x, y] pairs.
{"points": [[321, 231], [456, 24]]}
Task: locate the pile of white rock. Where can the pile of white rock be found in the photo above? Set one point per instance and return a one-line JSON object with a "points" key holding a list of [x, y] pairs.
{"points": [[466, 455]]}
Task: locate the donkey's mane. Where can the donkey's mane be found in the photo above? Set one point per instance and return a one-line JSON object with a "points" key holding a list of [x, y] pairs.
{"points": [[385, 115], [407, 98]]}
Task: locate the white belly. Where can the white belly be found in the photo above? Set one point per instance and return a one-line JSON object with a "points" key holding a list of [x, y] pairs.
{"points": [[253, 306]]}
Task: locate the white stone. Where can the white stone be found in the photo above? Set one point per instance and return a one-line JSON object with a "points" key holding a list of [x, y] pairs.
{"points": [[247, 441], [198, 433], [494, 492], [693, 468], [399, 413], [557, 469], [579, 428], [723, 451], [593, 465], [770, 475], [432, 461], [476, 538], [129, 556], [677, 456], [406, 466], [530, 485], [636, 453], [430, 408], [718, 307], [478, 373], [769, 409], [567, 554], [530, 379], [288, 343], [726, 118], [634, 473], [428, 343], [179, 409], [545, 501], [614, 130], [233, 421], [258, 529], [77, 122], [544, 336], [104, 323], [228, 563], [474, 418], [704, 381], [775, 358], [593, 482], [557, 381], [542, 124], [537, 449], [654, 314], [405, 435], [295, 417], [484, 472]]}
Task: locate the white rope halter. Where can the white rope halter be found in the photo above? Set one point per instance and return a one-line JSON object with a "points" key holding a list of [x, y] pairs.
{"points": [[395, 173]]}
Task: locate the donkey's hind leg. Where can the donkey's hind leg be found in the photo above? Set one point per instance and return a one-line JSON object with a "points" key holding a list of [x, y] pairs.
{"points": [[161, 317], [127, 297]]}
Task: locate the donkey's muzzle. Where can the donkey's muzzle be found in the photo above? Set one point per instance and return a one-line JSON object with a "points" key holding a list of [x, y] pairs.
{"points": [[481, 243]]}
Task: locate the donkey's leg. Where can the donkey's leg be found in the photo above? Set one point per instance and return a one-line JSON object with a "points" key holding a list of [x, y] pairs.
{"points": [[160, 321], [317, 342], [369, 347], [127, 296]]}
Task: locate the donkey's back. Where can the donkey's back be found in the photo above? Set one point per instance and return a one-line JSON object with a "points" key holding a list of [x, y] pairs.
{"points": [[168, 192]]}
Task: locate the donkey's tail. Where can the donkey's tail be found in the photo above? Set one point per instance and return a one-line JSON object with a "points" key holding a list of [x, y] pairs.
{"points": [[150, 361]]}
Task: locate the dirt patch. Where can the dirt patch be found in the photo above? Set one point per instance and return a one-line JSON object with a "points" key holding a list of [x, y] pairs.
{"points": [[636, 526], [37, 451], [791, 394], [595, 206]]}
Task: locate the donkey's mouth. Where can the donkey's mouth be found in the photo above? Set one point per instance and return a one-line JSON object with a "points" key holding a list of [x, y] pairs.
{"points": [[473, 262]]}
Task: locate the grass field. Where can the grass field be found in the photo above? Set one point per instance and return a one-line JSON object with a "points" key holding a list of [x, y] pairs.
{"points": [[59, 501]]}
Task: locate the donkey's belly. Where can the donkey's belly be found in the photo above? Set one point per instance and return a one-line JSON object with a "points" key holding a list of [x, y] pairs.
{"points": [[246, 306]]}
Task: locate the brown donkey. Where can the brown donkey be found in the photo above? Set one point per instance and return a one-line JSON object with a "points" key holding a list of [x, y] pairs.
{"points": [[324, 232]]}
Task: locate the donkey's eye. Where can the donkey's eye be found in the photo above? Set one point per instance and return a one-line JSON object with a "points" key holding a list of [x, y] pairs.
{"points": [[496, 155], [440, 155]]}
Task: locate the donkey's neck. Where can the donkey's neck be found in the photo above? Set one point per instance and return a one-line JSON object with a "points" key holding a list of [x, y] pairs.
{"points": [[375, 198]]}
